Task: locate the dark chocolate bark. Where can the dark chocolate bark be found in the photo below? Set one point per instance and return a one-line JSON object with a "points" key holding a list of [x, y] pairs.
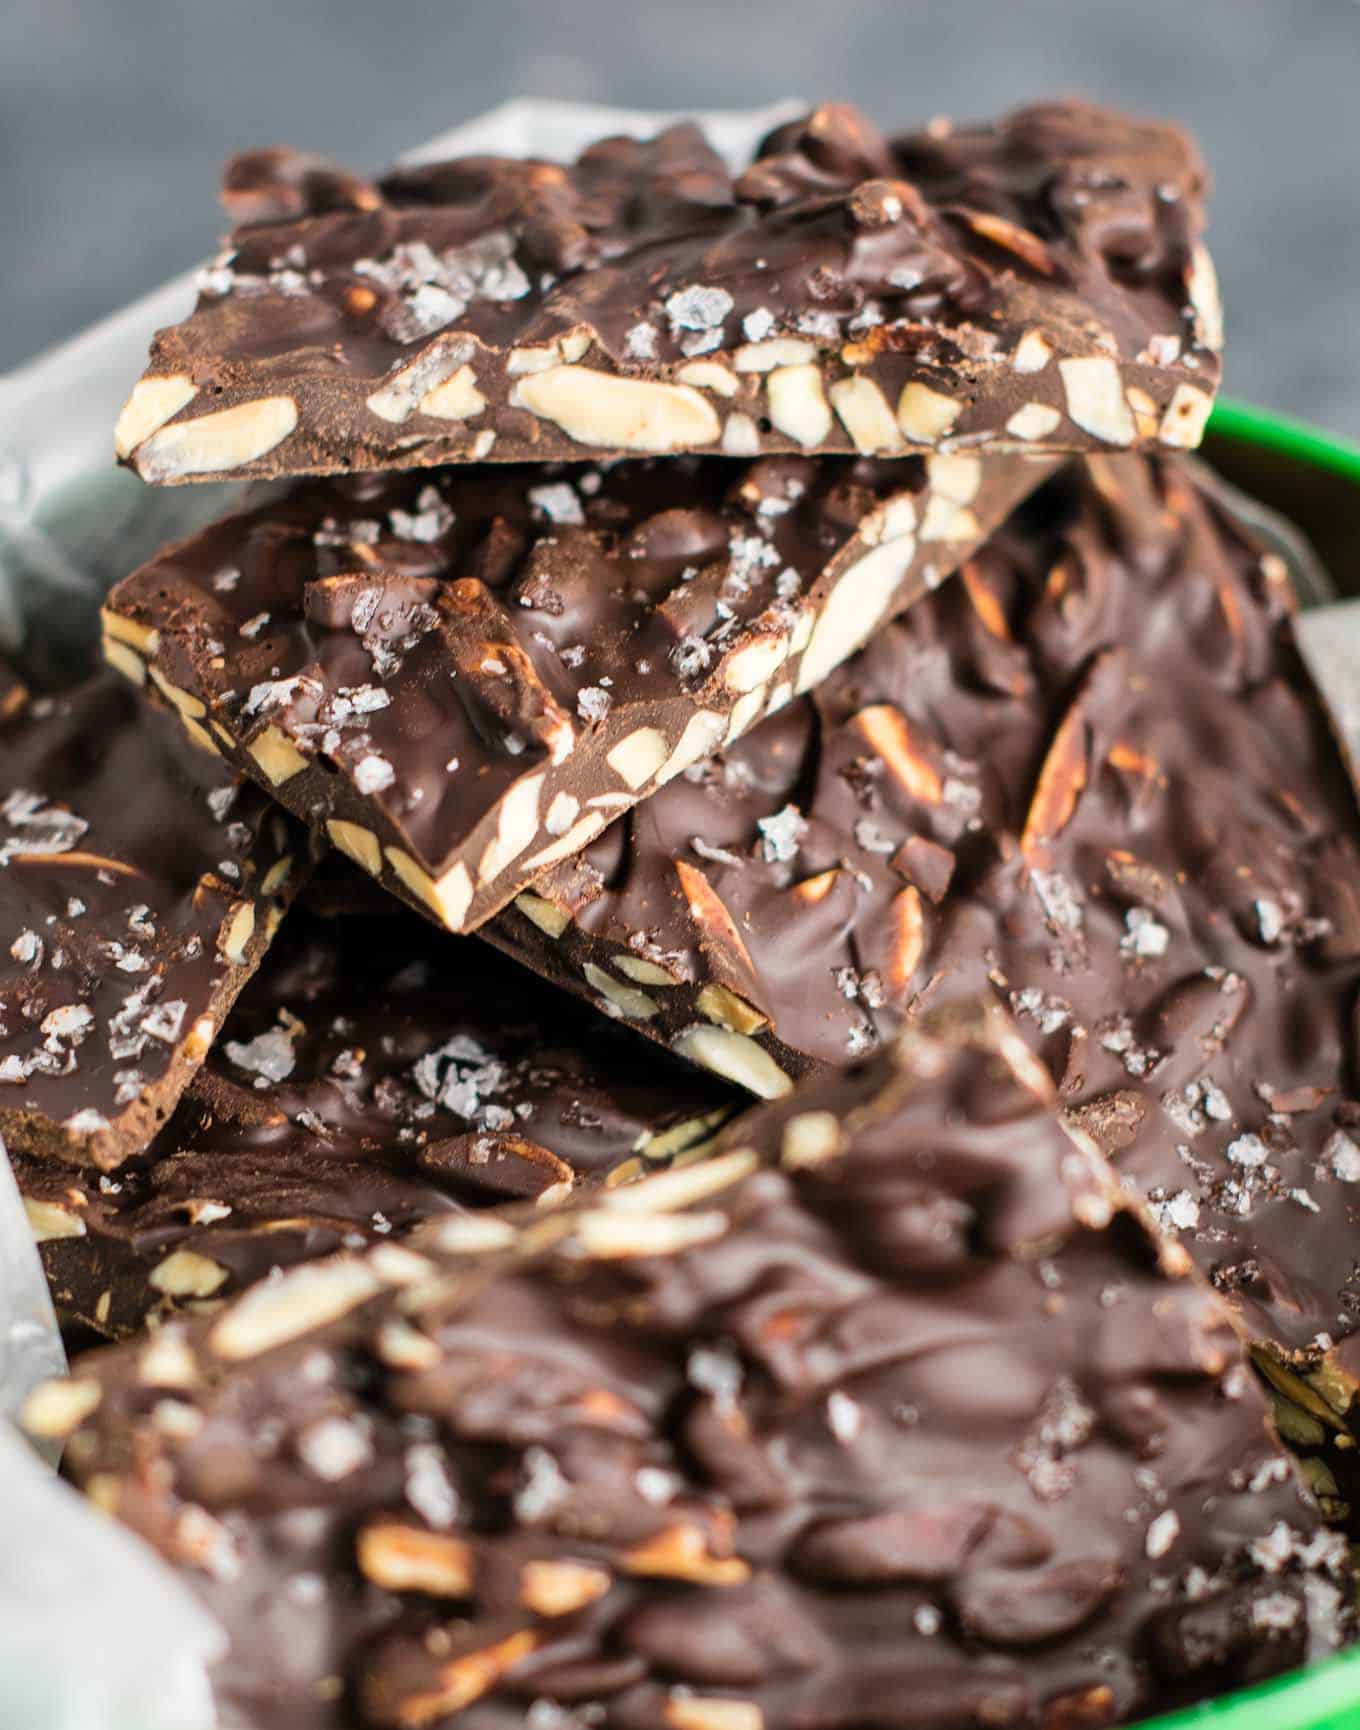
{"points": [[1037, 282], [461, 679], [371, 1077], [141, 881], [1091, 776], [885, 1415]]}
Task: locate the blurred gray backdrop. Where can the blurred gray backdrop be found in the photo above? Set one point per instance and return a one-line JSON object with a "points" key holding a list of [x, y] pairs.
{"points": [[114, 115]]}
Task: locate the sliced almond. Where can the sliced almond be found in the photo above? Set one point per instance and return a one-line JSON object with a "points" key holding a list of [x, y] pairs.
{"points": [[798, 405], [217, 443], [631, 1003], [276, 755], [415, 383], [778, 351], [283, 1309], [906, 940], [55, 1409], [709, 1712], [866, 415], [850, 614], [740, 436], [736, 1057], [1032, 352], [637, 758], [1094, 390], [124, 660], [456, 399], [643, 971], [753, 665], [611, 1236], [1036, 420], [182, 700], [167, 1362], [680, 1552], [49, 1222], [1186, 417], [1061, 781], [926, 415], [716, 1003], [143, 638], [708, 375], [668, 1191], [581, 832], [1205, 303], [597, 408], [701, 737], [557, 1588], [461, 1681], [153, 402], [405, 1558], [186, 1274], [238, 933], [551, 920], [516, 827], [357, 843], [810, 1138], [449, 898], [887, 732]]}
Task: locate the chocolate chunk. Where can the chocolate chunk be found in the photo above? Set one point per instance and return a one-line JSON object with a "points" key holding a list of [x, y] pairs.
{"points": [[457, 733], [372, 1076], [141, 881], [1104, 726], [889, 1399], [1038, 282]]}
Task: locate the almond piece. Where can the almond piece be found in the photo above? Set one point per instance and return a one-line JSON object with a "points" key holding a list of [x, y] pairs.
{"points": [[153, 402], [849, 615], [735, 1057], [596, 408], [551, 920], [216, 443], [357, 843], [449, 898], [885, 729], [866, 415], [282, 1309], [405, 1558], [638, 757], [276, 755], [186, 1274], [557, 1588], [798, 405], [1095, 398], [926, 415]]}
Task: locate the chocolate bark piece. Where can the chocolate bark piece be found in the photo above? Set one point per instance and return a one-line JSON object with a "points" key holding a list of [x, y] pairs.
{"points": [[890, 1398], [1091, 776], [1039, 281], [461, 679], [371, 1077], [141, 881]]}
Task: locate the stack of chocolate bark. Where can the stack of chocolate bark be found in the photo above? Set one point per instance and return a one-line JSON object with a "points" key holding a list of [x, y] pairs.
{"points": [[770, 612]]}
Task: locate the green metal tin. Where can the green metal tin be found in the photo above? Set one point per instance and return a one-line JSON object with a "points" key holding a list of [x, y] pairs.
{"points": [[1314, 480]]}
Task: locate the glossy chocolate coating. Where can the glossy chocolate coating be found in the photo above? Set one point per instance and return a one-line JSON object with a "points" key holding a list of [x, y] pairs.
{"points": [[1039, 281], [140, 883], [463, 677], [888, 1418], [373, 1075], [1091, 776]]}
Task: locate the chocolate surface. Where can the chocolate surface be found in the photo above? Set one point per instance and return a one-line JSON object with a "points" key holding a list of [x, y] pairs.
{"points": [[461, 678], [1035, 282], [885, 1416], [141, 881], [371, 1077], [1090, 775]]}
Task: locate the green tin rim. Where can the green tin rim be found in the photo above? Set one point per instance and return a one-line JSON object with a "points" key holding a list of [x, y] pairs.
{"points": [[1244, 423]]}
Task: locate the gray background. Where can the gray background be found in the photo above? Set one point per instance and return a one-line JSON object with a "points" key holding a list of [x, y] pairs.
{"points": [[114, 115]]}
